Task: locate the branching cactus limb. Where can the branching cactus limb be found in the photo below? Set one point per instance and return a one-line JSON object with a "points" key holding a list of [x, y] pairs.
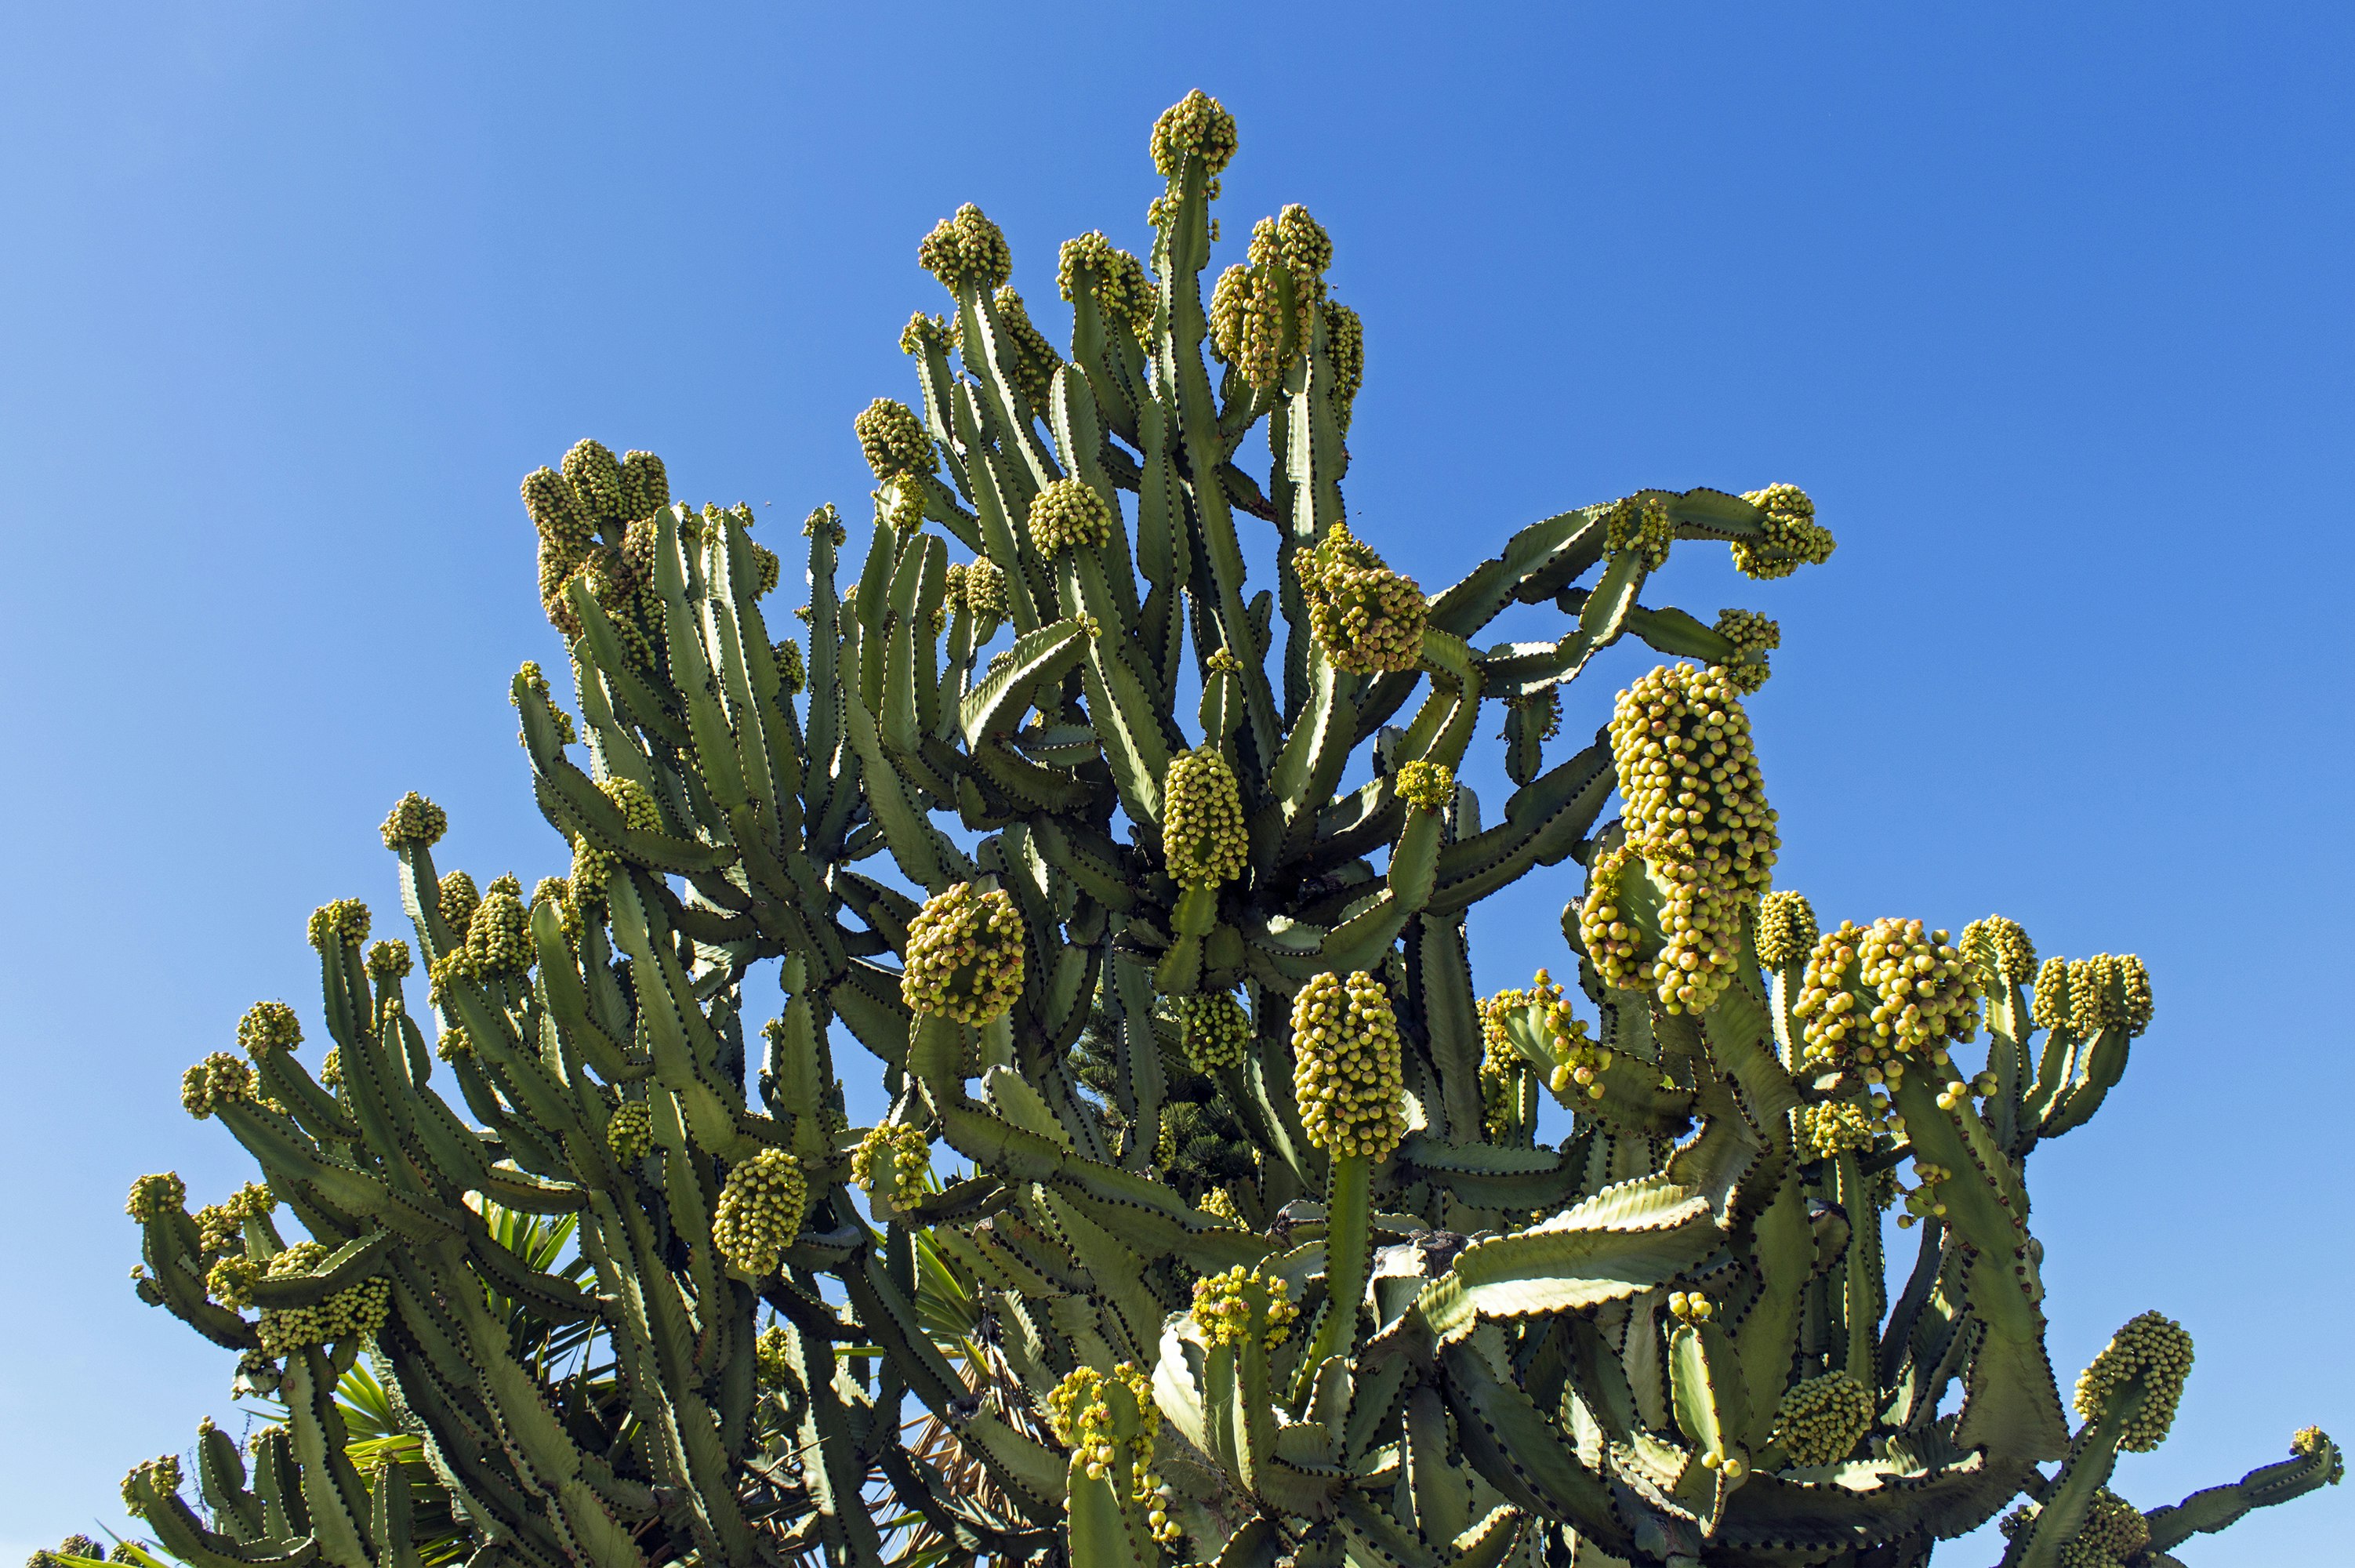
{"points": [[1246, 1244]]}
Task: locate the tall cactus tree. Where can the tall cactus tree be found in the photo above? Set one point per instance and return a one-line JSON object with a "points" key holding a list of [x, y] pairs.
{"points": [[1257, 1257]]}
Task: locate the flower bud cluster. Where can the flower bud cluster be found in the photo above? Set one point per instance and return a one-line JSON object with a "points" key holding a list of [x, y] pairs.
{"points": [[1821, 1420], [456, 899], [1348, 1076], [1218, 1201], [1215, 1030], [499, 937], [1196, 126], [1034, 359], [772, 1359], [331, 1069], [1069, 515], [536, 682], [163, 1473], [2109, 991], [1754, 636], [1083, 1424], [980, 587], [1117, 278], [1640, 524], [592, 865], [152, 1197], [1222, 1305], [1787, 929], [1426, 786], [760, 1212], [1922, 1202], [792, 675], [891, 1159], [2001, 951], [630, 1133], [2114, 1532], [964, 955], [1697, 813], [267, 1027], [1876, 998], [1202, 819], [927, 335], [1605, 927], [414, 820], [345, 921], [1345, 346], [2308, 1441], [965, 251], [1836, 1127], [355, 1312], [1254, 326], [1789, 537], [390, 960], [893, 439], [1367, 618], [219, 1080], [2154, 1348]]}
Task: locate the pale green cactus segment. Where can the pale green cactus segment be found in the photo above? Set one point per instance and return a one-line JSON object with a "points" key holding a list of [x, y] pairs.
{"points": [[267, 1027], [1348, 1076], [1366, 618], [414, 820], [1069, 515], [2154, 1349], [891, 1160], [1789, 538], [964, 955], [1787, 929], [760, 1212], [1216, 1032], [967, 250], [1640, 526], [1821, 1420], [1426, 786], [1202, 820]]}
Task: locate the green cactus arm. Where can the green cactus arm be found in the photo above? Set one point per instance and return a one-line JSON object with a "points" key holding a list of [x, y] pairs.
{"points": [[187, 1538], [1521, 1453], [2099, 1063], [2066, 1498], [1545, 820], [2213, 1508]]}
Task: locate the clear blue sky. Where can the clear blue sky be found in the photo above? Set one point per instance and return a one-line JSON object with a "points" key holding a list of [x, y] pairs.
{"points": [[2047, 306]]}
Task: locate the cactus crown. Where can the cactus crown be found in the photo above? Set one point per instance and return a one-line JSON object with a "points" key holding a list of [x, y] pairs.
{"points": [[1366, 618], [1789, 536], [414, 820], [267, 1027], [760, 1212], [2001, 950], [345, 921], [1069, 515], [964, 954], [2155, 1348], [966, 251], [1348, 1065], [1195, 126], [1819, 1421], [1202, 825], [893, 439], [891, 1159], [1640, 526], [1215, 1031], [1786, 928], [152, 1197], [1426, 786]]}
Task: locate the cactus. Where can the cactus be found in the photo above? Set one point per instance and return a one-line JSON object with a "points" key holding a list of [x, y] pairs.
{"points": [[1064, 834]]}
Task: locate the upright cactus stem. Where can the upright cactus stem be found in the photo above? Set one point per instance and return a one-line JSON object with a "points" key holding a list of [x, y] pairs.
{"points": [[1208, 1215]]}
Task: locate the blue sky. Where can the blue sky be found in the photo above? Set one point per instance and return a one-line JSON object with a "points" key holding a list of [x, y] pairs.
{"points": [[2047, 307]]}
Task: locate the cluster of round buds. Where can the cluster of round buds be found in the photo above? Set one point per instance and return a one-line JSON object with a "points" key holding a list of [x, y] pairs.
{"points": [[1367, 618], [455, 900], [980, 588], [926, 335], [1922, 1202], [1034, 359], [1218, 1201], [345, 921], [1083, 1422], [2001, 951], [893, 439], [390, 959], [1921, 994], [355, 1312], [499, 937], [891, 1159], [152, 1197], [792, 676], [592, 865], [964, 955], [1069, 515], [230, 1281], [2308, 1441], [1754, 636], [267, 1027], [331, 1067], [760, 1212], [1345, 346], [1640, 524], [81, 1546], [1196, 126], [1117, 278], [1254, 325], [1787, 929], [1222, 1307], [1579, 1063], [219, 1080], [1690, 1307], [1836, 1127], [965, 251], [537, 683], [1789, 538], [1821, 1420], [556, 892], [1503, 1070], [1202, 819], [2155, 1348], [2109, 991], [630, 1134], [163, 1473], [1426, 786], [1697, 813], [2114, 1532], [1348, 1076], [773, 1358], [414, 820], [452, 1043], [1215, 1030], [1609, 936], [1958, 1092]]}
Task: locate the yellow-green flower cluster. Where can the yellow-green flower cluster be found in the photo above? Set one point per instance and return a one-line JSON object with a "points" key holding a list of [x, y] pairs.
{"points": [[1579, 1063], [2109, 991], [2001, 950], [1821, 1420], [331, 1067], [965, 251], [1697, 813], [1202, 819], [1348, 1076], [1640, 524], [1263, 313], [1789, 537], [2154, 1348], [1754, 636], [355, 1312], [1877, 997], [390, 960], [1222, 1305], [792, 675], [230, 1281], [592, 865], [345, 921], [568, 509], [1836, 1127], [456, 899], [414, 820], [2114, 1532], [1196, 126], [1345, 346], [1117, 278], [773, 1358], [163, 1473], [1427, 786], [891, 1159], [499, 937], [1367, 618], [1083, 1421], [1922, 1202], [1069, 515], [630, 1134], [760, 1212], [1503, 1071], [267, 1027], [219, 1080], [1215, 1030], [964, 955], [538, 683], [152, 1197], [980, 587], [2308, 1441], [927, 335], [452, 1043], [893, 439], [1787, 929], [1221, 1203], [1034, 359]]}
